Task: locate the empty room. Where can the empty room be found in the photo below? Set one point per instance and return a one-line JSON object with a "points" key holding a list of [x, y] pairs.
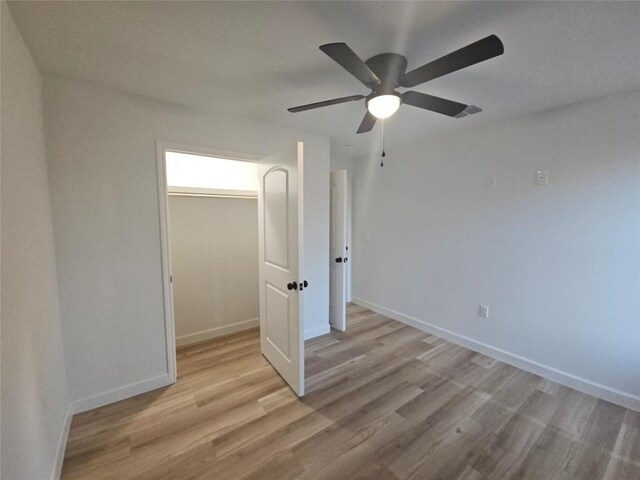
{"points": [[320, 240]]}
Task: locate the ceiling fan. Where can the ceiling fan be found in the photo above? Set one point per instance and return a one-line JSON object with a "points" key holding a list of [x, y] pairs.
{"points": [[384, 73]]}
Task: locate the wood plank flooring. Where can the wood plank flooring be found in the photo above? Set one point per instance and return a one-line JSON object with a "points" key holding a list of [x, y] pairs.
{"points": [[385, 402]]}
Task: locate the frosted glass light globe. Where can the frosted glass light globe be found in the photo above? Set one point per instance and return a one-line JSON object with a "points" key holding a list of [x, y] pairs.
{"points": [[383, 106]]}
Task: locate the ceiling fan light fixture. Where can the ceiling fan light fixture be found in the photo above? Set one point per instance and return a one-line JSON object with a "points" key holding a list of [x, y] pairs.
{"points": [[383, 106]]}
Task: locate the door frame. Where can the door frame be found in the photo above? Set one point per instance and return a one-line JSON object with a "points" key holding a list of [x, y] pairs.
{"points": [[162, 147]]}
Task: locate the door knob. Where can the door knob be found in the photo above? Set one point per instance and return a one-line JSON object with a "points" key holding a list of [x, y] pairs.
{"points": [[292, 286], [305, 284], [339, 260]]}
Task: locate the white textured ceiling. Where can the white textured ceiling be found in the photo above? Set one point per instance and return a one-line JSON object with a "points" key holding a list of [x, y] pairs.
{"points": [[254, 60]]}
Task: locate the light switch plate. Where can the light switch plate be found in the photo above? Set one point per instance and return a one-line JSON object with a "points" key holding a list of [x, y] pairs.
{"points": [[483, 311]]}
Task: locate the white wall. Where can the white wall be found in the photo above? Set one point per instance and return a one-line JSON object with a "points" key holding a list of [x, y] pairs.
{"points": [[102, 165], [558, 265], [34, 390], [214, 262], [198, 171], [340, 162]]}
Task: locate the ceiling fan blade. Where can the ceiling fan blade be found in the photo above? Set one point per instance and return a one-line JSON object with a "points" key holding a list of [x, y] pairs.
{"points": [[435, 104], [326, 103], [367, 123], [476, 52], [352, 63]]}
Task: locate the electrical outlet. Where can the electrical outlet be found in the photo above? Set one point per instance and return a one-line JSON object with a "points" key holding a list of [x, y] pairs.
{"points": [[483, 311], [542, 177]]}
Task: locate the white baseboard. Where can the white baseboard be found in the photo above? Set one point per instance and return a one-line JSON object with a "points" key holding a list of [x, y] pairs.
{"points": [[216, 332], [62, 444], [316, 332], [584, 385], [117, 394]]}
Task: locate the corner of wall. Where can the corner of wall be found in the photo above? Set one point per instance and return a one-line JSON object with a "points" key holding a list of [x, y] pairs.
{"points": [[36, 419]]}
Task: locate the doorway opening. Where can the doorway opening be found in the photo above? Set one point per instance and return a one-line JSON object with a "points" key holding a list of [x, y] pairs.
{"points": [[213, 245], [211, 252], [231, 229]]}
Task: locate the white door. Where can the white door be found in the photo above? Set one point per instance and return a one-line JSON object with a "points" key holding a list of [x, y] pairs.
{"points": [[280, 253], [338, 254]]}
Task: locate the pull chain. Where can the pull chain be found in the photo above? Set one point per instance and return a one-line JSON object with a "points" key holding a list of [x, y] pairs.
{"points": [[383, 152]]}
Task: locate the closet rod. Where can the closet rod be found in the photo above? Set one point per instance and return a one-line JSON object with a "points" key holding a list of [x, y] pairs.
{"points": [[212, 195]]}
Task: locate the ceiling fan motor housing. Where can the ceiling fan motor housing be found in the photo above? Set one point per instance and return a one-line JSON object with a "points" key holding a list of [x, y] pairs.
{"points": [[388, 67]]}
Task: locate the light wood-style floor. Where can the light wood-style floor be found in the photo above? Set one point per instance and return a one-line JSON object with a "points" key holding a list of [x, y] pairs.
{"points": [[385, 401]]}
